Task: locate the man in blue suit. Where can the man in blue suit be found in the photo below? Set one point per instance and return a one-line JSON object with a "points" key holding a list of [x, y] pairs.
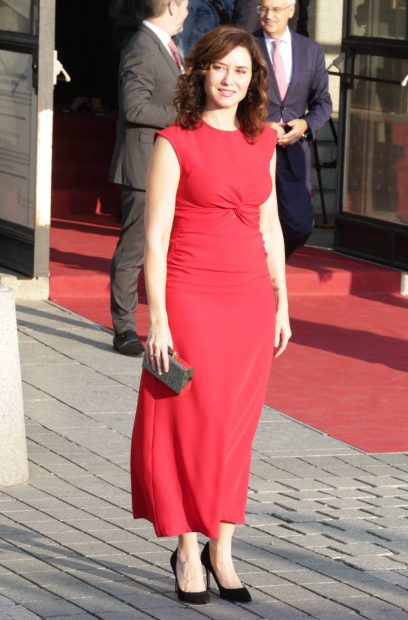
{"points": [[299, 105]]}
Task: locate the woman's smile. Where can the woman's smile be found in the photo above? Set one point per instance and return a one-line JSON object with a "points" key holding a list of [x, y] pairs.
{"points": [[226, 93]]}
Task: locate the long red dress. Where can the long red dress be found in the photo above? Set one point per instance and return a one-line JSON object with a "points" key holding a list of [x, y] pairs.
{"points": [[191, 454]]}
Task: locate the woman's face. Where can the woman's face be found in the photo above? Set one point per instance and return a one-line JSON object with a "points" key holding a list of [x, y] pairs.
{"points": [[227, 80]]}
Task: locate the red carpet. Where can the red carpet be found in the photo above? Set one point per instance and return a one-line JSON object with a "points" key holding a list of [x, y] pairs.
{"points": [[345, 371]]}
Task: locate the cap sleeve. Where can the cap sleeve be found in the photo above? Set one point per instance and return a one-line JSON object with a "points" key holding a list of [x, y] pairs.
{"points": [[172, 134]]}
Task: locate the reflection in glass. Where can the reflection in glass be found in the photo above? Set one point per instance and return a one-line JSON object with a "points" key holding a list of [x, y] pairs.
{"points": [[17, 164], [379, 18], [376, 180], [15, 16]]}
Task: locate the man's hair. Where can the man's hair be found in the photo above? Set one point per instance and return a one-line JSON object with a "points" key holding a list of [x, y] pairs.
{"points": [[190, 97], [155, 8], [289, 2]]}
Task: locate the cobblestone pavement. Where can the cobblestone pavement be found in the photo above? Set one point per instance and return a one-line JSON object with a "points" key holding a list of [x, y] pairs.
{"points": [[327, 531]]}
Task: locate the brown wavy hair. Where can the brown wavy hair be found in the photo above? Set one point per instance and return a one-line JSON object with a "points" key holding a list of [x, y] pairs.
{"points": [[190, 97]]}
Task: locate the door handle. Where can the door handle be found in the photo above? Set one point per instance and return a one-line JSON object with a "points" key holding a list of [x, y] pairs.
{"points": [[58, 68]]}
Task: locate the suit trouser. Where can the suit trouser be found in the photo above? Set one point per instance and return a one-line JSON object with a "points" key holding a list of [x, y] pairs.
{"points": [[127, 260], [293, 187]]}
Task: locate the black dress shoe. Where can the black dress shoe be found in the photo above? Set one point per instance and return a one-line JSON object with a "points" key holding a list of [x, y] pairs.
{"points": [[235, 595], [194, 598], [128, 343]]}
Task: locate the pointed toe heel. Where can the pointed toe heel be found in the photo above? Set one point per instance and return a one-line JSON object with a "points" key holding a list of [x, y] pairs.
{"points": [[235, 595], [193, 598]]}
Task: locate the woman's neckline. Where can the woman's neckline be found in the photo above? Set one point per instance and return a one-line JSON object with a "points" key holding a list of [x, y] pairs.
{"points": [[207, 124]]}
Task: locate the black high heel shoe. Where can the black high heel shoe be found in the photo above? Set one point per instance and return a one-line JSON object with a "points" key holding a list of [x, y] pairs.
{"points": [[237, 595], [194, 598]]}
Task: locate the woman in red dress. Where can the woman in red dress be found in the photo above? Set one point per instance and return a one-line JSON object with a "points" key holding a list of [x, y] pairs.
{"points": [[215, 280]]}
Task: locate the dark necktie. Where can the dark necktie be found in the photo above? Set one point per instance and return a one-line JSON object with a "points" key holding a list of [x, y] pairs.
{"points": [[175, 55]]}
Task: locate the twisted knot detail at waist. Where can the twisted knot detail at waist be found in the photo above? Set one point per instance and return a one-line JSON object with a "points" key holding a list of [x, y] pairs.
{"points": [[187, 216]]}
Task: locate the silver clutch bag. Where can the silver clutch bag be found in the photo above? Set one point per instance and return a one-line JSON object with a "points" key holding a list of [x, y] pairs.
{"points": [[178, 376]]}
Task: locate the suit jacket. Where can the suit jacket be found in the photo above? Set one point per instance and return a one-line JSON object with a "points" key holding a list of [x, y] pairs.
{"points": [[307, 95], [147, 81]]}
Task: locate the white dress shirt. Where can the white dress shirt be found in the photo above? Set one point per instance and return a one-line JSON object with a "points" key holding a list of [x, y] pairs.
{"points": [[285, 50], [159, 32]]}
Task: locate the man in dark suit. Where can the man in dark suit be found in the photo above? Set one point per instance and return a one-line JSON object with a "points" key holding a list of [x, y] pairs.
{"points": [[148, 73], [299, 105]]}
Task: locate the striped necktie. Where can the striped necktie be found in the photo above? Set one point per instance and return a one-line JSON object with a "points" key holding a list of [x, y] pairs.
{"points": [[176, 56]]}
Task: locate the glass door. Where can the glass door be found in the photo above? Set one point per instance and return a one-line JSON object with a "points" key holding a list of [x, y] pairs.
{"points": [[373, 220], [26, 43], [379, 19], [376, 180]]}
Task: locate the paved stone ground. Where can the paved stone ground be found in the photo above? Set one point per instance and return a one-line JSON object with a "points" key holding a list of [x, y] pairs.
{"points": [[327, 532]]}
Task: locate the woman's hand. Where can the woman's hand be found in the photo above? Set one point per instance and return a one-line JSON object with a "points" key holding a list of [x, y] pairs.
{"points": [[159, 342], [282, 331]]}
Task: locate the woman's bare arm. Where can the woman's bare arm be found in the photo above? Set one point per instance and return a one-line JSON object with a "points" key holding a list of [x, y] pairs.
{"points": [[162, 183], [271, 230]]}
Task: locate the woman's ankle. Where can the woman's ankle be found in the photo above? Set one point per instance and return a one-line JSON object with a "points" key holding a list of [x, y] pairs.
{"points": [[187, 547], [222, 563]]}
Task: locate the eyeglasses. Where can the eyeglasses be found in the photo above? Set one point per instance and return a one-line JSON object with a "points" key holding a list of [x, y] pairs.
{"points": [[264, 10]]}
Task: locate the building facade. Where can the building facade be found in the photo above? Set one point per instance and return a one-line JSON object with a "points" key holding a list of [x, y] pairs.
{"points": [[366, 45]]}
